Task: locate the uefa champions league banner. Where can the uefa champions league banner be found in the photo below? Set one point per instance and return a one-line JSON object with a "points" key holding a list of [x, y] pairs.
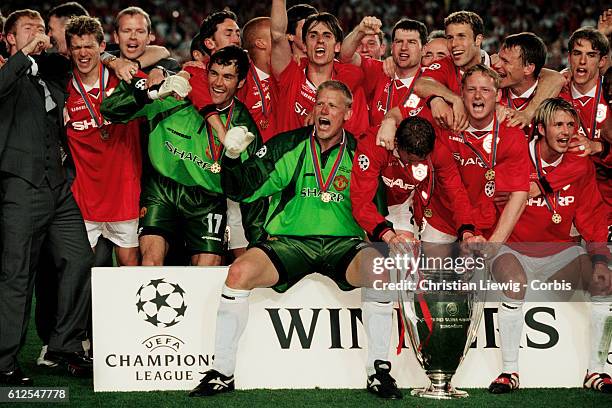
{"points": [[154, 330]]}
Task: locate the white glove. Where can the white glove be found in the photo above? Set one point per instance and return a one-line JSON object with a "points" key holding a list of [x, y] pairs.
{"points": [[237, 139], [174, 84]]}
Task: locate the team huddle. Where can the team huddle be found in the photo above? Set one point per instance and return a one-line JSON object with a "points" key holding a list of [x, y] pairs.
{"points": [[290, 149]]}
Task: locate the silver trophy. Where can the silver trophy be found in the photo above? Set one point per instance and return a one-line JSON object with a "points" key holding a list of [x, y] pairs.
{"points": [[442, 317]]}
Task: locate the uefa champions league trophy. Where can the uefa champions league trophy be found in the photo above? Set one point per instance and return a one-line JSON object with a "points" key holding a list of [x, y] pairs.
{"points": [[442, 318]]}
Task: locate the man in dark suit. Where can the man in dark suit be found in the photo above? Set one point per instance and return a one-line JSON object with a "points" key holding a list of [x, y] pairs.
{"points": [[36, 204]]}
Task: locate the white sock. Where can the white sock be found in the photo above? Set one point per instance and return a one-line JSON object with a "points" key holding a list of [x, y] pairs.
{"points": [[510, 324], [377, 322], [232, 318], [601, 333]]}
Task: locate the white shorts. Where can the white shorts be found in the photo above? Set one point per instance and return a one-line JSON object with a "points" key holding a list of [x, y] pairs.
{"points": [[402, 217], [124, 234], [545, 267], [430, 234], [237, 238]]}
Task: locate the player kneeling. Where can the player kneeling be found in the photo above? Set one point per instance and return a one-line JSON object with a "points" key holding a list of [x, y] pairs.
{"points": [[332, 245], [548, 220]]}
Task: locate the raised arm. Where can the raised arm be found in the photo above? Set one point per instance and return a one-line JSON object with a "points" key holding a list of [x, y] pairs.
{"points": [[348, 52], [281, 50]]}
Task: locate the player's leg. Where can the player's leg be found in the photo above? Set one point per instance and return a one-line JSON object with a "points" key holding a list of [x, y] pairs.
{"points": [[507, 268], [600, 329], [251, 270], [124, 235], [237, 238], [204, 219], [158, 218], [377, 309]]}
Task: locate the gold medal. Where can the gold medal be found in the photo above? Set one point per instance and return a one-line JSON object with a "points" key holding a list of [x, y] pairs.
{"points": [[556, 218], [215, 168], [326, 197], [490, 175], [428, 213]]}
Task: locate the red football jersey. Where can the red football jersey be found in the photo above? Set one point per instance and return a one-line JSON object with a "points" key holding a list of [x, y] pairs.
{"points": [[383, 93], [519, 103], [579, 202], [257, 96], [200, 94], [296, 97], [511, 172], [445, 72], [107, 183], [371, 163]]}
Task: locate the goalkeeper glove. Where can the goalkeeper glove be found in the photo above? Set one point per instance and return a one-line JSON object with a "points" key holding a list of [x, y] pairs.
{"points": [[237, 139]]}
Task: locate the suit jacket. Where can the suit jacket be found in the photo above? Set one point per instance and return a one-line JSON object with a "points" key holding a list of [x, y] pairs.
{"points": [[29, 136]]}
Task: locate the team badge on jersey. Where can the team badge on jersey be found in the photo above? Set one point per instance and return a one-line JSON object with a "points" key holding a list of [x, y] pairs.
{"points": [[364, 162], [602, 109], [262, 152], [340, 183], [435, 66], [412, 102], [487, 143], [419, 171], [415, 112]]}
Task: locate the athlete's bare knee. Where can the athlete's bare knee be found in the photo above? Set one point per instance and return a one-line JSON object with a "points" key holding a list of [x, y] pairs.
{"points": [[240, 275]]}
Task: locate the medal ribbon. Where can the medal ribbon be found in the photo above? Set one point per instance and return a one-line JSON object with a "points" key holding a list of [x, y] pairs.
{"points": [[324, 185], [410, 88], [96, 116], [594, 115], [552, 207], [214, 152], [432, 181], [510, 101], [264, 109], [491, 163]]}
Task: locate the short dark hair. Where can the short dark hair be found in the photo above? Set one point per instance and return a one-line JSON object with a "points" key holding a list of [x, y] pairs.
{"points": [[415, 135], [11, 20], [598, 41], [326, 18], [232, 55], [533, 49], [466, 17], [410, 25], [132, 11], [197, 44], [297, 13], [208, 28], [68, 9], [82, 25], [436, 34]]}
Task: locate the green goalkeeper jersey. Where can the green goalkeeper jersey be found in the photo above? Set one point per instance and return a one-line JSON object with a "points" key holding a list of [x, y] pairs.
{"points": [[180, 144], [285, 169]]}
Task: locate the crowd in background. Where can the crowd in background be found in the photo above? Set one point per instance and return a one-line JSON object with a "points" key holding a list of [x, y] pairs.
{"points": [[176, 22]]}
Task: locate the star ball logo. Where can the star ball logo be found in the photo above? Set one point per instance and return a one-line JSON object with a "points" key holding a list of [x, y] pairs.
{"points": [[161, 303]]}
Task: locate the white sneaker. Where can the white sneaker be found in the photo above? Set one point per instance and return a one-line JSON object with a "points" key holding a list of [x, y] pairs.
{"points": [[41, 361]]}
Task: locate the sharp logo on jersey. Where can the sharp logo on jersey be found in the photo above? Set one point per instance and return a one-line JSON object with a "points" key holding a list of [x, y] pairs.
{"points": [[397, 183], [540, 202], [415, 112], [412, 102], [601, 112], [141, 84], [262, 152], [300, 110], [434, 66], [380, 107], [469, 161], [315, 192], [364, 162], [419, 171], [340, 183], [185, 155], [84, 124]]}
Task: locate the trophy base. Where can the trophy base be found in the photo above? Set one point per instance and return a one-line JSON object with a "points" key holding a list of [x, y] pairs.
{"points": [[439, 391]]}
